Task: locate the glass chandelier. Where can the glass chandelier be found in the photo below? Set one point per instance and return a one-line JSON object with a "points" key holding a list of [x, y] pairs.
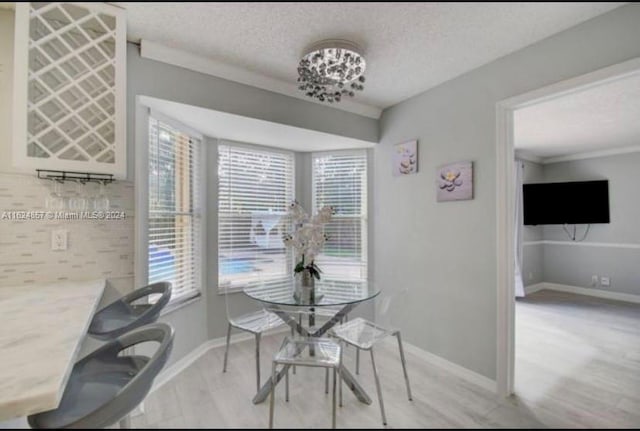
{"points": [[331, 70]]}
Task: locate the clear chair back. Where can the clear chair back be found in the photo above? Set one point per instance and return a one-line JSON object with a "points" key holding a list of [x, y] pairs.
{"points": [[238, 304], [389, 306]]}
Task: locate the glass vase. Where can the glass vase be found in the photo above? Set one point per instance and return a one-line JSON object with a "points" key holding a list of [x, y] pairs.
{"points": [[307, 280], [305, 287]]}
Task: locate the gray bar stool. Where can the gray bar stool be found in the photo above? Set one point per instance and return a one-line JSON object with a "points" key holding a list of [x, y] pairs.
{"points": [[123, 315], [105, 386]]}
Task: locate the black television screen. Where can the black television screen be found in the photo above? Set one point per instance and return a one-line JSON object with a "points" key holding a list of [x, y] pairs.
{"points": [[578, 202]]}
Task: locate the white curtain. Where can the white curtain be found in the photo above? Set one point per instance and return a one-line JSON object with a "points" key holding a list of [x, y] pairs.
{"points": [[519, 220]]}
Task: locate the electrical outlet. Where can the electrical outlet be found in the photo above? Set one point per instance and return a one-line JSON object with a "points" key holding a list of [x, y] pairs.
{"points": [[594, 280], [605, 281], [59, 239]]}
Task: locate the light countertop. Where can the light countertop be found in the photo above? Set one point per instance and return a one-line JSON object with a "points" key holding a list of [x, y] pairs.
{"points": [[41, 330]]}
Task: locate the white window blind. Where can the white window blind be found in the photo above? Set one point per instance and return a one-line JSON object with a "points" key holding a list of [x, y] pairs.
{"points": [[174, 235], [340, 180], [255, 188]]}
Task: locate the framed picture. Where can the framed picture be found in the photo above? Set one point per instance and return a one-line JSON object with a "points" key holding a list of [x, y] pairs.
{"points": [[455, 182], [405, 158]]}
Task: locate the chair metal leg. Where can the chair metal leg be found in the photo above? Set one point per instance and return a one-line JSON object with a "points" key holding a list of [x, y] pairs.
{"points": [[293, 334], [258, 362], [326, 380], [404, 365], [375, 375], [226, 350], [333, 402], [125, 422], [357, 360], [273, 394], [340, 377], [286, 386]]}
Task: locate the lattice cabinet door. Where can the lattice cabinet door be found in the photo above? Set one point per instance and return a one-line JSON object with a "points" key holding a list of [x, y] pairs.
{"points": [[70, 88]]}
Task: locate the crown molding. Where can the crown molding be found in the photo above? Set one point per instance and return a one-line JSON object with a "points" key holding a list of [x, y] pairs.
{"points": [[592, 154], [524, 155], [187, 60]]}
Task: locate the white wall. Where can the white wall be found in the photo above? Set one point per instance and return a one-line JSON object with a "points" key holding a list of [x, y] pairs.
{"points": [[446, 252]]}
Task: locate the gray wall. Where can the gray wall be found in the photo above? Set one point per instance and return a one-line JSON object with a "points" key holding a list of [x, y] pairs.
{"points": [[6, 89], [623, 173], [206, 318], [446, 252], [573, 264], [164, 81], [533, 255]]}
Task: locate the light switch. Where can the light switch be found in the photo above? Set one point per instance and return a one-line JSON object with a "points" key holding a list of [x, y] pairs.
{"points": [[59, 239]]}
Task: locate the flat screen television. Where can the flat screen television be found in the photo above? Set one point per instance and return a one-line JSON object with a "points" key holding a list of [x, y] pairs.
{"points": [[576, 202]]}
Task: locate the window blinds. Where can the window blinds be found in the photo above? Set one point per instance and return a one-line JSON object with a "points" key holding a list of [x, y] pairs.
{"points": [[340, 180], [174, 235], [255, 188]]}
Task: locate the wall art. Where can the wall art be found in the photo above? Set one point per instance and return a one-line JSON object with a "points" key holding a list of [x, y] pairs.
{"points": [[405, 158], [455, 182]]}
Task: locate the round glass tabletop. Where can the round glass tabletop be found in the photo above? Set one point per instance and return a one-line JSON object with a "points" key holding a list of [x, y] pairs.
{"points": [[327, 293]]}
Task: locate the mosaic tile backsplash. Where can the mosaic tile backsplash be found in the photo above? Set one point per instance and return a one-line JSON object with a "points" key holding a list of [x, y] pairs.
{"points": [[96, 248]]}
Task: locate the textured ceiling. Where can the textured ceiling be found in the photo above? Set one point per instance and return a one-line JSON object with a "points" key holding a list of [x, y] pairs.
{"points": [[410, 47], [599, 118]]}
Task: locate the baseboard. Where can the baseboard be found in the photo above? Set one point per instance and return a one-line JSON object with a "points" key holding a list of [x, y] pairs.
{"points": [[184, 362], [532, 288], [616, 296], [191, 357], [458, 370]]}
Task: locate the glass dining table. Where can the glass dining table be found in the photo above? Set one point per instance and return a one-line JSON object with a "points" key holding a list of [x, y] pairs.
{"points": [[286, 299]]}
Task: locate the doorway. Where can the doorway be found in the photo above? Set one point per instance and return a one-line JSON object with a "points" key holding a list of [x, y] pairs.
{"points": [[506, 222]]}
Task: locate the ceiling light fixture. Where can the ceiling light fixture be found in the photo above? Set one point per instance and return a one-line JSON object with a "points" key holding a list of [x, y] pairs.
{"points": [[332, 69]]}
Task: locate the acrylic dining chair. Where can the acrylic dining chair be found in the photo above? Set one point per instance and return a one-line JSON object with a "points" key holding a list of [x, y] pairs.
{"points": [[245, 316], [306, 352], [365, 334]]}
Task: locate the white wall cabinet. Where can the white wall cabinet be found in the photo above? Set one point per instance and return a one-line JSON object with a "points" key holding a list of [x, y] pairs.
{"points": [[70, 88]]}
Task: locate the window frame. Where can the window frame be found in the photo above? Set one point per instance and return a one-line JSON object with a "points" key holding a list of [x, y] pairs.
{"points": [[142, 205], [364, 219], [223, 288]]}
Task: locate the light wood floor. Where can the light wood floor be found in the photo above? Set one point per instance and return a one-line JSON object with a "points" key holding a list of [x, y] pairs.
{"points": [[578, 363], [578, 360]]}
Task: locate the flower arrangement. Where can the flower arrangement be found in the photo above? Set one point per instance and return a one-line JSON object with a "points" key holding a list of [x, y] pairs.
{"points": [[308, 237]]}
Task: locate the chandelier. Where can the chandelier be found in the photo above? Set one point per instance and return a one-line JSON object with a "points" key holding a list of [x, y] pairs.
{"points": [[331, 69]]}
